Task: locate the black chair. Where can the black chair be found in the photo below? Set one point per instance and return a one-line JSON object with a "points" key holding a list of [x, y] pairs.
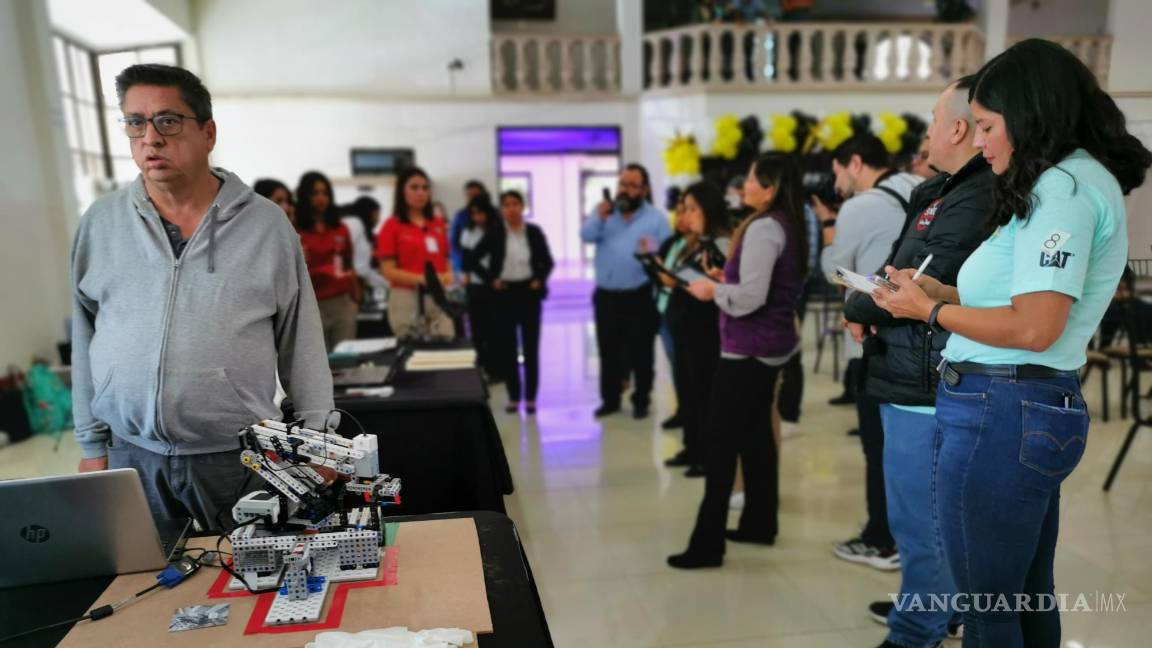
{"points": [[829, 306], [1099, 361], [1136, 323]]}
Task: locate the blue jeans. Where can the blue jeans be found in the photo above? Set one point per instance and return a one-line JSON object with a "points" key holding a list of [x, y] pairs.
{"points": [[909, 465], [1005, 446]]}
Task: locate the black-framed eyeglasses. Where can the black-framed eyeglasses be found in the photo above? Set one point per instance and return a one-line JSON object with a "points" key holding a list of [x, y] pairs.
{"points": [[165, 124]]}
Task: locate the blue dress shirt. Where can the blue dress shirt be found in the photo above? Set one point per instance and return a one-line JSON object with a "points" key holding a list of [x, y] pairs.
{"points": [[617, 242]]}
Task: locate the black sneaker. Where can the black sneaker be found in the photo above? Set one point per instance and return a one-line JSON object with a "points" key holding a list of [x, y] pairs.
{"points": [[879, 611], [695, 470], [858, 551], [640, 412], [681, 459], [843, 399], [605, 410], [673, 422]]}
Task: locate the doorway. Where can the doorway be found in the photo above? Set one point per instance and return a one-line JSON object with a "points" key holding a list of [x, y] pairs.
{"points": [[562, 171]]}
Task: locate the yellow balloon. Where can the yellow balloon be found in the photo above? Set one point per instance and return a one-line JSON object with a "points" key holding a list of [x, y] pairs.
{"points": [[728, 136], [783, 142]]}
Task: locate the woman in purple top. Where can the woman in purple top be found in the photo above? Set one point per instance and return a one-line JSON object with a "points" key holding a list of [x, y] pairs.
{"points": [[757, 296]]}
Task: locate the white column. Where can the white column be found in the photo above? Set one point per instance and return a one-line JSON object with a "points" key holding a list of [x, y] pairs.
{"points": [[630, 26], [1128, 22], [37, 198], [1130, 83], [992, 17]]}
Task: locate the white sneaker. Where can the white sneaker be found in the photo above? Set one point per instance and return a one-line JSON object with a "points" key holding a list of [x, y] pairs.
{"points": [[881, 558], [788, 429], [736, 501]]}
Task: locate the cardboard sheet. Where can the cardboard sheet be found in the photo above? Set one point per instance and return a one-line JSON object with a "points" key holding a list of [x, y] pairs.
{"points": [[440, 585]]}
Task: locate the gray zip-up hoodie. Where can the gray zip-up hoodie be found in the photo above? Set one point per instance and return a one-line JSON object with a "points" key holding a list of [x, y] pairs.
{"points": [[177, 355]]}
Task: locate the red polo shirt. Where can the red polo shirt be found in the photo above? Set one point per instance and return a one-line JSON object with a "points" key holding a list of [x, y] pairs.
{"points": [[411, 246], [329, 259]]}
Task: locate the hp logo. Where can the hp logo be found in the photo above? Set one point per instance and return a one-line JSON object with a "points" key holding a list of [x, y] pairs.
{"points": [[35, 533]]}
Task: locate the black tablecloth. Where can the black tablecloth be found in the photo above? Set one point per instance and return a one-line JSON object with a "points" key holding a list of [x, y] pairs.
{"points": [[438, 435], [517, 616]]}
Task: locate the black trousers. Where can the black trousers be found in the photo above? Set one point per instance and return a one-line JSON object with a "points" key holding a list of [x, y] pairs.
{"points": [[626, 326], [518, 315], [740, 425], [697, 356], [482, 324], [791, 389], [876, 531]]}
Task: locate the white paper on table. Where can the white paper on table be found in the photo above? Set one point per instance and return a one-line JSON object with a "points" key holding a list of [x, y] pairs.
{"points": [[367, 345], [855, 281]]}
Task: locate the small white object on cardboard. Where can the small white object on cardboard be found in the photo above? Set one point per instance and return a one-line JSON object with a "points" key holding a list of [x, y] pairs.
{"points": [[396, 637], [366, 345]]}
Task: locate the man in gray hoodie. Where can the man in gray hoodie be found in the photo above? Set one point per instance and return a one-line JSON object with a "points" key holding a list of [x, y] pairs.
{"points": [[190, 292]]}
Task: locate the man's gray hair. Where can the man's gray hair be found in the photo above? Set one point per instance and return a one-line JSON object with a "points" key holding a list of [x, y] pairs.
{"points": [[958, 106]]}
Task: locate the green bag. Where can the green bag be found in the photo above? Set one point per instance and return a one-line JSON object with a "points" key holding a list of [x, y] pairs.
{"points": [[47, 401]]}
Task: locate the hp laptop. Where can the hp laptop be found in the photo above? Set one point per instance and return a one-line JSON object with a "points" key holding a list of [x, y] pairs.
{"points": [[76, 526]]}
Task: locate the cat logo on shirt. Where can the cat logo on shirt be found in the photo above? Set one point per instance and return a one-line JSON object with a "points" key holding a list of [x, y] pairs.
{"points": [[1054, 260]]}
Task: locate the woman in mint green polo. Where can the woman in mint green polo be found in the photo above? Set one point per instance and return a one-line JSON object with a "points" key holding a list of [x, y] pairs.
{"points": [[1011, 421]]}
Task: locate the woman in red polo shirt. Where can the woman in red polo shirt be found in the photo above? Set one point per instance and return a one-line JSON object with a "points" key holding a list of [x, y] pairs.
{"points": [[328, 253], [409, 240]]}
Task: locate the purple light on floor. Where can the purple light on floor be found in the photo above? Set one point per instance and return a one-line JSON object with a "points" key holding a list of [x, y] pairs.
{"points": [[572, 139]]}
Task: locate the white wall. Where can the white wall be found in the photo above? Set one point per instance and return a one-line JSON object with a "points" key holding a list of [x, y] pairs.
{"points": [[1058, 18], [350, 47], [454, 141], [35, 190], [572, 17]]}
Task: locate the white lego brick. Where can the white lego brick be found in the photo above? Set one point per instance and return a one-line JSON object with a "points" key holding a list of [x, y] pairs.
{"points": [[285, 611]]}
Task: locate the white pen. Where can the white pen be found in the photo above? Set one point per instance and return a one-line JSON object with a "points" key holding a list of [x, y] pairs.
{"points": [[920, 270]]}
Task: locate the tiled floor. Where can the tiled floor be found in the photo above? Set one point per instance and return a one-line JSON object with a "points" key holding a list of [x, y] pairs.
{"points": [[599, 513]]}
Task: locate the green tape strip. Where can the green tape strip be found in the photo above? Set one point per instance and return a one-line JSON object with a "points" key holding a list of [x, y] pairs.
{"points": [[391, 529]]}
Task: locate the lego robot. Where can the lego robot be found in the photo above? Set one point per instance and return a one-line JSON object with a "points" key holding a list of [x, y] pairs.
{"points": [[299, 532]]}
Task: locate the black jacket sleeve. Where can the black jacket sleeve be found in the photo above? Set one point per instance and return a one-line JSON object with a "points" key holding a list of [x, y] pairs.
{"points": [[492, 246], [542, 262], [956, 232]]}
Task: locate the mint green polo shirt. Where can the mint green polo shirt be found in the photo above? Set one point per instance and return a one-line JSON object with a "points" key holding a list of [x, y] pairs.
{"points": [[1075, 242]]}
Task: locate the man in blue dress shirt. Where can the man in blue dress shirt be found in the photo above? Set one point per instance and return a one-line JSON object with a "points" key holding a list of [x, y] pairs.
{"points": [[626, 317]]}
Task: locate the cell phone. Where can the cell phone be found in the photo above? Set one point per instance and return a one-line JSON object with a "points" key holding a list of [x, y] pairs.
{"points": [[607, 194]]}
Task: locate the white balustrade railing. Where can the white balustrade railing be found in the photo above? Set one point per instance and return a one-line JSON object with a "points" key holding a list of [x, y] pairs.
{"points": [[799, 56], [1094, 51], [541, 64]]}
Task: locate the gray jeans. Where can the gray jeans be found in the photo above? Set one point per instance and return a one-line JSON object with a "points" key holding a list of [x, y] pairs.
{"points": [[181, 486]]}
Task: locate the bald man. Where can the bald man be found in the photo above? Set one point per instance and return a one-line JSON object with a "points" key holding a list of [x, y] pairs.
{"points": [[945, 220]]}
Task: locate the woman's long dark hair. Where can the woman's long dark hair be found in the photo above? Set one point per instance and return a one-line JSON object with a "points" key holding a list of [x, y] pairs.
{"points": [[305, 219], [782, 171], [1052, 104], [400, 203], [484, 204], [363, 208], [268, 186], [712, 204]]}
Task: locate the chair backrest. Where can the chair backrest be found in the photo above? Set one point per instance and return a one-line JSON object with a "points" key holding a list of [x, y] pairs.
{"points": [[1141, 267], [1136, 319]]}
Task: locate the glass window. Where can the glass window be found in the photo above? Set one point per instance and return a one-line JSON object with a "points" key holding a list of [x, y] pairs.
{"points": [[62, 72], [124, 170], [89, 102], [111, 65]]}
